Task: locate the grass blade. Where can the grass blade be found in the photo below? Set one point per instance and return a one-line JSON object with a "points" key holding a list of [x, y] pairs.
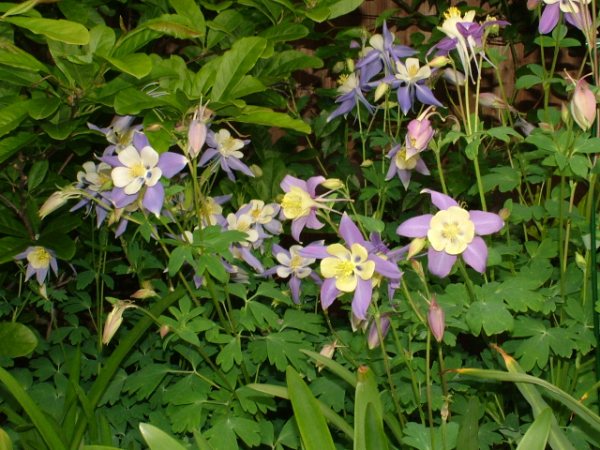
{"points": [[538, 433]]}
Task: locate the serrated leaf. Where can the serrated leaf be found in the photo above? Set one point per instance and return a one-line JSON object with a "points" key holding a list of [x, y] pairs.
{"points": [[144, 381], [230, 353], [57, 29], [491, 315]]}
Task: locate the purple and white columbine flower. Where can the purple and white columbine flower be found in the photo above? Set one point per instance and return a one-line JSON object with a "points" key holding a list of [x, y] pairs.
{"points": [[293, 265], [241, 250], [452, 231], [351, 89], [225, 149], [403, 165], [409, 79], [263, 217], [39, 260], [139, 166], [575, 12], [119, 133], [351, 268], [382, 55]]}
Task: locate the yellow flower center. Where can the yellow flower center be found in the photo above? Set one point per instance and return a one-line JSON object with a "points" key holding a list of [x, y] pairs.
{"points": [[403, 163], [451, 230], [346, 265], [452, 13], [296, 262], [296, 203], [39, 258], [138, 170]]}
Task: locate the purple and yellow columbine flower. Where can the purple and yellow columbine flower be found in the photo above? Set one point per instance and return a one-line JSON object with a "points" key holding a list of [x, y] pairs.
{"points": [[294, 266], [119, 133], [139, 166], [452, 231], [351, 268], [39, 260], [226, 150], [300, 203], [403, 165]]}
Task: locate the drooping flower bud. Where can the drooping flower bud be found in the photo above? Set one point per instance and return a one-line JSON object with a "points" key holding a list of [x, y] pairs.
{"points": [[332, 184], [114, 319], [436, 320], [583, 105], [439, 61], [164, 330], [327, 351], [416, 245], [373, 336], [418, 136], [58, 199]]}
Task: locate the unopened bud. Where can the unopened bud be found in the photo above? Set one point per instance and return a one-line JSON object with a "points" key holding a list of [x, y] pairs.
{"points": [[565, 114], [332, 184], [580, 261], [356, 323], [532, 4], [57, 199], [418, 268], [327, 351], [367, 163], [454, 77], [256, 170], [436, 320], [504, 214], [373, 336], [196, 137], [381, 90], [164, 330], [439, 61], [583, 105], [350, 64], [415, 247], [144, 293]]}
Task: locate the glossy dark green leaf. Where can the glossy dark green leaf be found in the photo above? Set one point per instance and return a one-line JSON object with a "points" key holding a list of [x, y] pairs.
{"points": [[12, 115], [37, 173], [137, 65], [16, 340], [13, 56], [59, 30], [40, 108]]}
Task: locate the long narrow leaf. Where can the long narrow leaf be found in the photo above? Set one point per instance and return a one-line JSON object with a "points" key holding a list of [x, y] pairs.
{"points": [[538, 433], [333, 418], [43, 426], [333, 366], [311, 422], [367, 402], [158, 439]]}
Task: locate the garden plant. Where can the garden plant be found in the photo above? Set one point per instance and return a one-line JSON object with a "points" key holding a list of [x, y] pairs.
{"points": [[257, 224]]}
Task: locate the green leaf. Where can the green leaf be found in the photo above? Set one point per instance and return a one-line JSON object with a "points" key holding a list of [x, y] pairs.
{"points": [[538, 433], [284, 32], [173, 25], [12, 144], [504, 133], [59, 30], [333, 366], [37, 173], [133, 101], [158, 439], [419, 436], [137, 65], [469, 426], [491, 315], [12, 115], [504, 177], [311, 422], [10, 247], [16, 340], [265, 116], [5, 441], [13, 56], [343, 7], [41, 108], [21, 8], [527, 81], [144, 382], [235, 63], [368, 412], [189, 9]]}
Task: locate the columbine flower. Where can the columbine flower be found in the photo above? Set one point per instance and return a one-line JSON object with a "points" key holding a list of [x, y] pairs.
{"points": [[452, 231], [402, 165], [350, 268], [225, 149], [263, 216], [410, 80], [243, 223], [140, 166], [300, 203], [39, 259], [294, 266], [373, 340], [575, 12], [351, 93], [114, 319], [465, 36], [119, 133], [382, 54], [420, 132]]}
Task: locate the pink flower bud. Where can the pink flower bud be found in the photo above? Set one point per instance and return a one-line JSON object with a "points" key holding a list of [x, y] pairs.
{"points": [[583, 105], [373, 337], [436, 320], [419, 134], [196, 137]]}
